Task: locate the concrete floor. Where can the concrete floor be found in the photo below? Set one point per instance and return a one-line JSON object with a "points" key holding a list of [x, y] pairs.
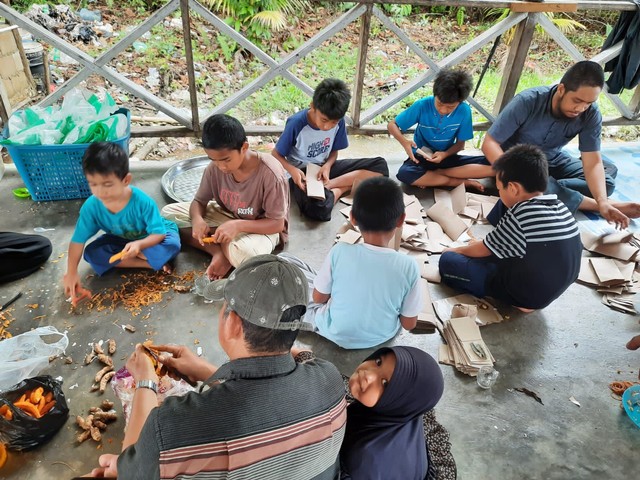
{"points": [[575, 348]]}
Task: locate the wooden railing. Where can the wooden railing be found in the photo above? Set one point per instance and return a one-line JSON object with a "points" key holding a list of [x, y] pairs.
{"points": [[524, 16]]}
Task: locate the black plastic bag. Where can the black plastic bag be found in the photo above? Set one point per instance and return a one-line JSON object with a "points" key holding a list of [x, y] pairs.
{"points": [[23, 431]]}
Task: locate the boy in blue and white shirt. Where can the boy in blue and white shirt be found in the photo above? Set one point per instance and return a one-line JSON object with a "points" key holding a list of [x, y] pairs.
{"points": [[315, 135], [533, 255], [443, 125]]}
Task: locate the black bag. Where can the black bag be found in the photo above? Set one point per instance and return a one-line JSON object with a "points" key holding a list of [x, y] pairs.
{"points": [[23, 431], [21, 255]]}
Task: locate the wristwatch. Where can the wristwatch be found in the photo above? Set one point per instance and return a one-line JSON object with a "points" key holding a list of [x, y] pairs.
{"points": [[150, 384]]}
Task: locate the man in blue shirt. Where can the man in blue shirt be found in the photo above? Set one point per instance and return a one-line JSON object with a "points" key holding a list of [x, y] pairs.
{"points": [[550, 117]]}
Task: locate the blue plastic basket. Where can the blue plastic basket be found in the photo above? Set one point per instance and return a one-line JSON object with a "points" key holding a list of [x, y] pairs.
{"points": [[54, 172]]}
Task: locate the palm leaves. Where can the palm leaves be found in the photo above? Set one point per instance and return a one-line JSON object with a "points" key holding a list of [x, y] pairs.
{"points": [[270, 14]]}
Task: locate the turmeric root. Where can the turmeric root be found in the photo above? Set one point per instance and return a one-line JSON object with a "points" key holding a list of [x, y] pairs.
{"points": [[106, 405], [107, 360], [102, 373], [111, 346], [106, 379], [83, 423], [105, 416], [83, 436], [95, 433], [90, 357], [99, 425], [98, 349]]}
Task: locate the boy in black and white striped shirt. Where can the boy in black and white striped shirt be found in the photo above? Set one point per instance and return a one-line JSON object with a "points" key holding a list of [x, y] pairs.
{"points": [[533, 255]]}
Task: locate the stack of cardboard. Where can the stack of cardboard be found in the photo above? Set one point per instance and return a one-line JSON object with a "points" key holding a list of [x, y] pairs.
{"points": [[465, 349], [614, 274], [484, 312], [615, 279]]}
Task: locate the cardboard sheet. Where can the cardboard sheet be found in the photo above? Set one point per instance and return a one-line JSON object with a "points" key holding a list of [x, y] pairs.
{"points": [[315, 187], [430, 273], [607, 271], [451, 224], [487, 313], [621, 251]]}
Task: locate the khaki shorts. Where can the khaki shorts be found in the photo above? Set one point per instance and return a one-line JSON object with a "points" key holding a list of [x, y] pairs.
{"points": [[245, 245]]}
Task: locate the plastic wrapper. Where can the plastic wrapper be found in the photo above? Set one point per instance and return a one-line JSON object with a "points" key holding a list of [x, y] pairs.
{"points": [[83, 117], [23, 431], [124, 387], [28, 354]]}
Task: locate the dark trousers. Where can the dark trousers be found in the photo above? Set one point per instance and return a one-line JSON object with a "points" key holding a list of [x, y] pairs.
{"points": [[467, 274], [21, 255], [567, 180], [318, 209]]}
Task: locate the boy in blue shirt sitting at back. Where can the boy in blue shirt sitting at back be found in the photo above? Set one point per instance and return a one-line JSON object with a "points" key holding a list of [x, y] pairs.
{"points": [[443, 126], [129, 217], [315, 135], [533, 255], [364, 292]]}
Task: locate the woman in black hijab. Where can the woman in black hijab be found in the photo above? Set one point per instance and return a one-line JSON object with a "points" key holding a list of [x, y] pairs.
{"points": [[384, 438]]}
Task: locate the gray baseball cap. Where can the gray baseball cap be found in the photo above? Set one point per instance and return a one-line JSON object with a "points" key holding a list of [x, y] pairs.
{"points": [[261, 289]]}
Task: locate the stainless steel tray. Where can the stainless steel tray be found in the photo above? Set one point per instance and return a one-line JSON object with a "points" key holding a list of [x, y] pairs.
{"points": [[182, 180]]}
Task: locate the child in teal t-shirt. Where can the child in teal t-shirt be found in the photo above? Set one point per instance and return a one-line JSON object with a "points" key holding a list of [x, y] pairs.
{"points": [[133, 227]]}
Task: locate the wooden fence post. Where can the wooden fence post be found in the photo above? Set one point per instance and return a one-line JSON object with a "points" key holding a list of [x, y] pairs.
{"points": [[515, 62], [363, 46], [188, 50]]}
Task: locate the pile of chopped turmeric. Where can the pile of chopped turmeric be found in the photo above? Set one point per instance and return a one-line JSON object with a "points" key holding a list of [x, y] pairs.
{"points": [[6, 317], [138, 290]]}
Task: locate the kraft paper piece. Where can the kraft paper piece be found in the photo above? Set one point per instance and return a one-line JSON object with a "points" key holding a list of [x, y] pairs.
{"points": [[466, 348], [613, 278], [425, 152], [455, 199], [346, 211], [415, 211], [487, 313], [426, 318], [315, 187], [621, 251], [622, 303], [616, 237], [350, 236], [607, 271], [477, 199], [452, 225], [430, 273], [471, 212]]}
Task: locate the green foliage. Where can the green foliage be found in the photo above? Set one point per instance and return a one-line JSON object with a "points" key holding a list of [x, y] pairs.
{"points": [[565, 24], [397, 10], [257, 19], [227, 46], [460, 16]]}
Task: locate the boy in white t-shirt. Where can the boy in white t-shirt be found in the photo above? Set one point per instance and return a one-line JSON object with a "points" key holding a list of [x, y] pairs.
{"points": [[363, 293]]}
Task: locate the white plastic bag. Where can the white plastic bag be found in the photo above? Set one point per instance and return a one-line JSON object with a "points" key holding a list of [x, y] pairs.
{"points": [[27, 354]]}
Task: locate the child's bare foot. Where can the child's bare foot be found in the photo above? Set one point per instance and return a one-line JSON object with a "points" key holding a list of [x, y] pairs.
{"points": [[219, 267], [630, 209], [337, 193], [525, 310], [167, 268], [474, 185]]}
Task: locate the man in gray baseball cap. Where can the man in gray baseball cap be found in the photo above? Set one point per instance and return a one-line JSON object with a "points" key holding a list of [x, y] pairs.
{"points": [[262, 416]]}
